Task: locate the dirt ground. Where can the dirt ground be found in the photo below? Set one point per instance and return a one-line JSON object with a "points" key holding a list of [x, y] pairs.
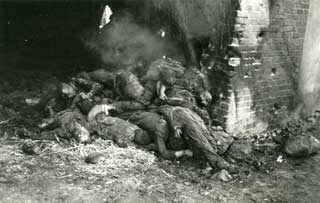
{"points": [[60, 174]]}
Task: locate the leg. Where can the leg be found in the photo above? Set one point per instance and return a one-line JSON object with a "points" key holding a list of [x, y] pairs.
{"points": [[215, 160], [198, 140]]}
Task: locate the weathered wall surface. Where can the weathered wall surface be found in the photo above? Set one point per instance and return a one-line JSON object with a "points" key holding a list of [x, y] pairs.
{"points": [[310, 67], [271, 46]]}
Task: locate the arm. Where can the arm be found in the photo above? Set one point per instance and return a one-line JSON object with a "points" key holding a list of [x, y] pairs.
{"points": [[161, 89], [123, 106], [50, 123]]}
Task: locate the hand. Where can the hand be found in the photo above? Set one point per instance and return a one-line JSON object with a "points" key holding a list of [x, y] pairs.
{"points": [[45, 123], [102, 108], [85, 95], [161, 89], [187, 153], [163, 97], [42, 125], [177, 133], [178, 154]]}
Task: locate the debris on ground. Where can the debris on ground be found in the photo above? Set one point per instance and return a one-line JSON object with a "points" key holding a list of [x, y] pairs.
{"points": [[302, 146], [224, 176], [94, 158], [280, 159], [240, 150], [31, 148]]}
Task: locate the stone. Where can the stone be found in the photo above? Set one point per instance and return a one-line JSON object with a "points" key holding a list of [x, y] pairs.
{"points": [[280, 159], [31, 148], [224, 176], [240, 150], [311, 119], [94, 158], [234, 61], [301, 146]]}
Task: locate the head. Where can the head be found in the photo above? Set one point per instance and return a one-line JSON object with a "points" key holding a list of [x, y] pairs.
{"points": [[67, 90], [205, 98], [80, 133], [141, 137], [211, 46]]}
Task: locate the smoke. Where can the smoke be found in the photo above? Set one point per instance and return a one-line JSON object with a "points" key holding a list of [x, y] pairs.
{"points": [[123, 43], [309, 81]]}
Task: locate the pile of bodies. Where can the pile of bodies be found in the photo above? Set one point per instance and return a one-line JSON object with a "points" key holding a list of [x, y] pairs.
{"points": [[164, 110]]}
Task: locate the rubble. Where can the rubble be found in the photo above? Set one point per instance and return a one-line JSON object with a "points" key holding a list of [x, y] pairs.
{"points": [[94, 158], [31, 148], [280, 159], [224, 176], [302, 146], [298, 135], [240, 150]]}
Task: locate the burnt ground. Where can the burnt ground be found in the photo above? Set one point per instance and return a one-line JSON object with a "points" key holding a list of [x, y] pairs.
{"points": [[60, 173]]}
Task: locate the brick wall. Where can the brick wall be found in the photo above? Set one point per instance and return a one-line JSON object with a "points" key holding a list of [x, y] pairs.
{"points": [[270, 35]]}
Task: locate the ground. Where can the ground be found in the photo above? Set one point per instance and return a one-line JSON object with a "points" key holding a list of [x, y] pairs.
{"points": [[60, 173], [132, 175]]}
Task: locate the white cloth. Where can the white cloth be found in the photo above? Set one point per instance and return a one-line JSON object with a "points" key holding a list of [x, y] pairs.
{"points": [[105, 19]]}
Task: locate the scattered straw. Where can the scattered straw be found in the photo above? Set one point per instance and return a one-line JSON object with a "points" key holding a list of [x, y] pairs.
{"points": [[117, 161]]}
